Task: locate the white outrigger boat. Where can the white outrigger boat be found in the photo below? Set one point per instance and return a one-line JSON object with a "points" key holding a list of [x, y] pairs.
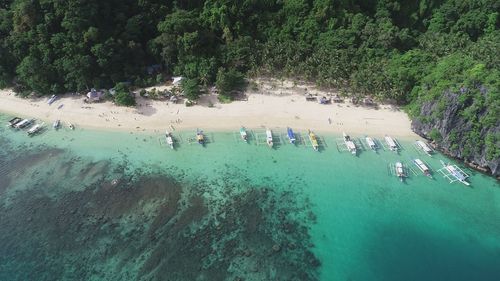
{"points": [[269, 138], [57, 124], [12, 122], [35, 129], [371, 143], [243, 134], [291, 135], [422, 167], [169, 139], [200, 137], [314, 141], [391, 143], [52, 99], [425, 148], [349, 143], [24, 123], [400, 171], [453, 173]]}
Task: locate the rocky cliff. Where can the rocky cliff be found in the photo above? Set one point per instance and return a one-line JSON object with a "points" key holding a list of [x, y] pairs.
{"points": [[465, 125]]}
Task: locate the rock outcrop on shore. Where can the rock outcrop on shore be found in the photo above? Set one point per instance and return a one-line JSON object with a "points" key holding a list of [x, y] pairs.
{"points": [[444, 122]]}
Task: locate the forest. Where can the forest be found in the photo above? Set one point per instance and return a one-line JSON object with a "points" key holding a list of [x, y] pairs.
{"points": [[419, 54]]}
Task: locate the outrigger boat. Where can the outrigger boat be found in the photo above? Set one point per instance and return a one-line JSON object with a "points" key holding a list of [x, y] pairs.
{"points": [[52, 99], [56, 124], [424, 147], [400, 171], [35, 129], [23, 123], [291, 135], [371, 143], [314, 140], [422, 167], [200, 137], [269, 138], [349, 143], [391, 143], [169, 139], [12, 122], [71, 126], [454, 173], [243, 134]]}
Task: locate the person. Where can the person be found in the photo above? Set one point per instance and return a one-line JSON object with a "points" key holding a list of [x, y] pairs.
{"points": [[329, 120]]}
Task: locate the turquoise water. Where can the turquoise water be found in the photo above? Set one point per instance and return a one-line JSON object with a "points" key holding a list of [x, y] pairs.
{"points": [[95, 205]]}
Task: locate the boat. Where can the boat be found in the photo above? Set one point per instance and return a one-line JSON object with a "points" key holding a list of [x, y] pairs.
{"points": [[454, 173], [169, 139], [269, 138], [35, 129], [243, 134], [422, 167], [425, 148], [371, 143], [12, 122], [71, 126], [391, 143], [314, 140], [52, 99], [349, 143], [200, 137], [23, 123], [56, 124], [291, 135], [400, 171]]}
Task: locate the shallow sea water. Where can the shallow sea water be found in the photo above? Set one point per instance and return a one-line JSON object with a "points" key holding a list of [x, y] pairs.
{"points": [[95, 205]]}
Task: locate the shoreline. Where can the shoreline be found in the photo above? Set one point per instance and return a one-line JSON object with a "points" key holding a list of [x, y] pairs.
{"points": [[258, 111]]}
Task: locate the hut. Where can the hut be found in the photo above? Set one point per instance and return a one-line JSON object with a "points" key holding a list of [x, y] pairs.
{"points": [[173, 98], [337, 99], [94, 95], [177, 80]]}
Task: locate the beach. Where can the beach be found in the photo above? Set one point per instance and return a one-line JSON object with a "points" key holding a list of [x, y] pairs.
{"points": [[258, 111]]}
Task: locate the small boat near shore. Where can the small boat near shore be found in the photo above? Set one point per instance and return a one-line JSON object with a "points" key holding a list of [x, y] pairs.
{"points": [[391, 143], [291, 135], [169, 139], [349, 143], [35, 129], [200, 137], [24, 123], [243, 134], [52, 99], [422, 167], [453, 173], [400, 171], [314, 141], [12, 122], [269, 138], [71, 126], [57, 124], [424, 147], [371, 143]]}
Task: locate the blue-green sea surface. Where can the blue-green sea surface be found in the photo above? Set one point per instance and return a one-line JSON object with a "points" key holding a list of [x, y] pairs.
{"points": [[96, 205]]}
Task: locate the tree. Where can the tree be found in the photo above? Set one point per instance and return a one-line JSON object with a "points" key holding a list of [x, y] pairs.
{"points": [[191, 88], [123, 96], [228, 81]]}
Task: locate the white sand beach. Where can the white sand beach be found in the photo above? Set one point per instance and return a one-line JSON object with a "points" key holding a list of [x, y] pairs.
{"points": [[260, 110]]}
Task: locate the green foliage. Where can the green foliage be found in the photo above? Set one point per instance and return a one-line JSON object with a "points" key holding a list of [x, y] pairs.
{"points": [[435, 135], [191, 88], [123, 96], [492, 142], [228, 81], [124, 99]]}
